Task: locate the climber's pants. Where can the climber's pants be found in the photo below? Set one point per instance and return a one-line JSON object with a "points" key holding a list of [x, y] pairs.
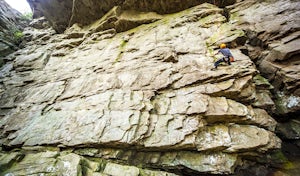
{"points": [[217, 63]]}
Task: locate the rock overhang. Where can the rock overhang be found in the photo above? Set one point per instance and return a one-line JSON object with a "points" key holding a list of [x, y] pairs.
{"points": [[63, 14]]}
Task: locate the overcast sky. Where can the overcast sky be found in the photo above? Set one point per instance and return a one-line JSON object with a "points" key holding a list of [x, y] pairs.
{"points": [[20, 5]]}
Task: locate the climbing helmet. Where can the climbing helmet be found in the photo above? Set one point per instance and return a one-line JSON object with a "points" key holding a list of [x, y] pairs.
{"points": [[223, 45]]}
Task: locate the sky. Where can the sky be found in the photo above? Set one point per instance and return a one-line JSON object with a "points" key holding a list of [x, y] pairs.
{"points": [[20, 5]]}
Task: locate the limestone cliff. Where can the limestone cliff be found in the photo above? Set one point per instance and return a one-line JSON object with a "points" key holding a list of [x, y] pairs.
{"points": [[131, 92]]}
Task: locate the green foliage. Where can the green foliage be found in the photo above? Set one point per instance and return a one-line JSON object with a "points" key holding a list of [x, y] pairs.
{"points": [[27, 16], [18, 35]]}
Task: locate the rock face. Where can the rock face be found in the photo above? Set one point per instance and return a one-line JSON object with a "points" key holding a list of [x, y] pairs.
{"points": [[62, 14], [280, 64], [11, 25], [274, 47], [119, 98]]}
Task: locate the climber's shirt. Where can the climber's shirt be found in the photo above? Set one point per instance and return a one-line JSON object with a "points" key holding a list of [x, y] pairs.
{"points": [[226, 52]]}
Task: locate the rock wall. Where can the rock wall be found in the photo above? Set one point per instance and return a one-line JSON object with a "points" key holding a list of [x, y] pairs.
{"points": [[63, 14], [11, 25], [278, 42], [273, 32], [119, 98]]}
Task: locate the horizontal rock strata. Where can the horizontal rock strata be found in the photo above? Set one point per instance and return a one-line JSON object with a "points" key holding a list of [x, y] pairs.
{"points": [[115, 96], [279, 38]]}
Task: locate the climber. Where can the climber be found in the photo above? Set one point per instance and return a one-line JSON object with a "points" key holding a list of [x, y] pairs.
{"points": [[228, 57]]}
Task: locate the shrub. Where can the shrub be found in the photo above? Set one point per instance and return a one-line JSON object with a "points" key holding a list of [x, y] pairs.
{"points": [[17, 36], [27, 16]]}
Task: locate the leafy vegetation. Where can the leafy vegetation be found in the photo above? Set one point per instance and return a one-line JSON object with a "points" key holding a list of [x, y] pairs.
{"points": [[27, 16], [16, 35]]}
